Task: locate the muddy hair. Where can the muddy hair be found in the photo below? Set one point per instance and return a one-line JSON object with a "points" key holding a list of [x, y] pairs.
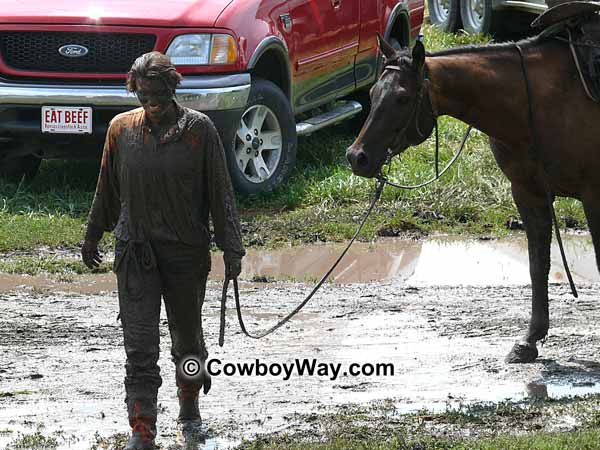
{"points": [[153, 65]]}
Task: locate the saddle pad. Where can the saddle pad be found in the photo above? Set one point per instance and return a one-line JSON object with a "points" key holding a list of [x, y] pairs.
{"points": [[563, 12]]}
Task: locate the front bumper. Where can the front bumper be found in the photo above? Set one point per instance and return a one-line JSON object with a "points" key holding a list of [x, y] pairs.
{"points": [[221, 97], [210, 93]]}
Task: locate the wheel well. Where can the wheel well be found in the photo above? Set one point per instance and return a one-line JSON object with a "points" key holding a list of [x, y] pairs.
{"points": [[400, 30], [271, 66]]}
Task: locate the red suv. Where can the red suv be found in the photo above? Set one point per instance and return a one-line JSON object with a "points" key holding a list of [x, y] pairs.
{"points": [[264, 71]]}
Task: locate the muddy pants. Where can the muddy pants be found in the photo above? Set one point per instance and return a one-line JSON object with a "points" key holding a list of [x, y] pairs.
{"points": [[145, 272]]}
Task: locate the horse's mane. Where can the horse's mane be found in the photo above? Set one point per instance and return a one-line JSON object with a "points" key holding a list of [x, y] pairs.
{"points": [[403, 58], [484, 48]]}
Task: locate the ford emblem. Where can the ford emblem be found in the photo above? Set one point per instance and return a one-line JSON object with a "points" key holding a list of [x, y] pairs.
{"points": [[73, 50]]}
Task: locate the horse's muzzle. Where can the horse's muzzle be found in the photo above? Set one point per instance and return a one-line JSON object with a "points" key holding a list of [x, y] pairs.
{"points": [[360, 162]]}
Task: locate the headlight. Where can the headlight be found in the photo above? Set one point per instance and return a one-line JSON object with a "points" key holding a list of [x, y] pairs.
{"points": [[201, 49]]}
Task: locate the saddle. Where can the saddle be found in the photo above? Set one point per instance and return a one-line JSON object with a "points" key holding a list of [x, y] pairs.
{"points": [[578, 24]]}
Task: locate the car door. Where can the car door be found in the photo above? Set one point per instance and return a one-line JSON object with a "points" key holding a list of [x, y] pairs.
{"points": [[325, 37]]}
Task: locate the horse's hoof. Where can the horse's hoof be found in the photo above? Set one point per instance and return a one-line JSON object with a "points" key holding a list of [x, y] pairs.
{"points": [[522, 353]]}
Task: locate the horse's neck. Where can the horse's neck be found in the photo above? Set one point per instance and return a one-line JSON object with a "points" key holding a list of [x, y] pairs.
{"points": [[481, 89]]}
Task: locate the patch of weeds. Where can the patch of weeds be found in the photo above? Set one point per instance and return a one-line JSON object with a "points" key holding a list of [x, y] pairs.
{"points": [[34, 265], [15, 393], [114, 442], [262, 279], [481, 426], [35, 441], [271, 279]]}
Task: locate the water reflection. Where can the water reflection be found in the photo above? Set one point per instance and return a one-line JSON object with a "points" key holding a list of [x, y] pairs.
{"points": [[440, 261], [540, 391]]}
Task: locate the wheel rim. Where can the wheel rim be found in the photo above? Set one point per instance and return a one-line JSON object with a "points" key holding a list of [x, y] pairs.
{"points": [[475, 13], [442, 9], [258, 144]]}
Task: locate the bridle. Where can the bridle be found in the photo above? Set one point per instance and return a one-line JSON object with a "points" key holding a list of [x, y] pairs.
{"points": [[414, 115], [414, 118]]}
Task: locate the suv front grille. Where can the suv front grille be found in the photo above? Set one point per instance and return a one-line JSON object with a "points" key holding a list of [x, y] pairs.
{"points": [[38, 51]]}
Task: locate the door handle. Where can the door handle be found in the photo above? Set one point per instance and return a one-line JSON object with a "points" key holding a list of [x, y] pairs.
{"points": [[336, 3], [286, 21]]}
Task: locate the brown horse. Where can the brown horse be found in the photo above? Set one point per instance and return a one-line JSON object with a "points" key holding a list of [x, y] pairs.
{"points": [[484, 86]]}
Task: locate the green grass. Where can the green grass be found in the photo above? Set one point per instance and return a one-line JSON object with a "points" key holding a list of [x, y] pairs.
{"points": [[36, 265], [580, 440], [502, 426], [321, 202]]}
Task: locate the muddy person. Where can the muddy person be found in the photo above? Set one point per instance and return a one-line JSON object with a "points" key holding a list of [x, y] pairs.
{"points": [[163, 172]]}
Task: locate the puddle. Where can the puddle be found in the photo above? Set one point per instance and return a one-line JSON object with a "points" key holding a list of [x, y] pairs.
{"points": [[438, 261], [555, 391], [435, 261]]}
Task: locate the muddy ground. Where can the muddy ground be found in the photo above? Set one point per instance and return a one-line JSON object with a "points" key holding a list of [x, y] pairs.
{"points": [[61, 355]]}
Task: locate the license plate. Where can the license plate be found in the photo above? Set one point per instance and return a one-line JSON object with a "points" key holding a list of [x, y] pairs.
{"points": [[67, 119]]}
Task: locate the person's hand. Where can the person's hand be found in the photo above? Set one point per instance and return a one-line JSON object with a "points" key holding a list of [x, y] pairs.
{"points": [[233, 267], [90, 255]]}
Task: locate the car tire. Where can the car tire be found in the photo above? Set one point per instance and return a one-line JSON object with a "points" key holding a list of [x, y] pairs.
{"points": [[444, 14], [477, 16], [263, 153], [511, 25], [18, 167]]}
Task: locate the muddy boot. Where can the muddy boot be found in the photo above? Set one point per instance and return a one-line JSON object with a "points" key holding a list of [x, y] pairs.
{"points": [[140, 440], [142, 419], [190, 433]]}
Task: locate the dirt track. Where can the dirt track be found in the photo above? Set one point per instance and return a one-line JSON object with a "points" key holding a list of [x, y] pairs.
{"points": [[61, 355]]}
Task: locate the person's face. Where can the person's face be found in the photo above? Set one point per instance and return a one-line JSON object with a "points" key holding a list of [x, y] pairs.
{"points": [[155, 97]]}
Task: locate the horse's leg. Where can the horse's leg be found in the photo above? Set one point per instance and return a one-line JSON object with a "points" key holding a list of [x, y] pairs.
{"points": [[535, 212]]}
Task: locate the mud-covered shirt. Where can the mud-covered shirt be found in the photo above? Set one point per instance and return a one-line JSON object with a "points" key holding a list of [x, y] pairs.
{"points": [[165, 187]]}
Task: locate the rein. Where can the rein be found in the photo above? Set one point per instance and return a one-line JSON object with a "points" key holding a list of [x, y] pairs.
{"points": [[534, 150]]}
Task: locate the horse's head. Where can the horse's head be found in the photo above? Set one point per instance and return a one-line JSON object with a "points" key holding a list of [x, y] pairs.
{"points": [[401, 114]]}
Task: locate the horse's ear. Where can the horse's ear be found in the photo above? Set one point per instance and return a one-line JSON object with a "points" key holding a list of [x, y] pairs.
{"points": [[418, 55], [388, 51]]}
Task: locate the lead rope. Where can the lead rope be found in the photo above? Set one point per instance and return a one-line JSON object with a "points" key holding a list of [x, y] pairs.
{"points": [[378, 190], [534, 149], [381, 182], [438, 174]]}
